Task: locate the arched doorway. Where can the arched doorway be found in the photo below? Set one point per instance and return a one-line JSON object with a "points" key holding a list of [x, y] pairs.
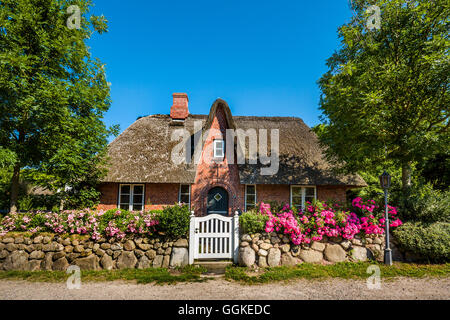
{"points": [[217, 201]]}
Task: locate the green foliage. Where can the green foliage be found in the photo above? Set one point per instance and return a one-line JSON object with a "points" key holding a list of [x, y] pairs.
{"points": [[388, 87], [174, 221], [53, 94], [252, 222], [429, 241], [436, 170], [424, 204]]}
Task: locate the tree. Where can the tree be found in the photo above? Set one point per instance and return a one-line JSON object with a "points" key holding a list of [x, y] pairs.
{"points": [[385, 97], [53, 94]]}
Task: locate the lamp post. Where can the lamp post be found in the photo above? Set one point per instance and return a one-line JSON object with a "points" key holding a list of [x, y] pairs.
{"points": [[385, 182]]}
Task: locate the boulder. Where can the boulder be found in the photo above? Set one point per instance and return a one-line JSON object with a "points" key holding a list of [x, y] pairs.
{"points": [[285, 248], [244, 244], [166, 261], [37, 255], [88, 263], [61, 264], [180, 257], [246, 256], [275, 240], [127, 260], [144, 263], [106, 262], [37, 239], [11, 247], [246, 237], [346, 244], [262, 252], [274, 257], [47, 262], [359, 253], [3, 254], [335, 253], [262, 262], [311, 256], [319, 246], [58, 255], [144, 246], [265, 246], [116, 246], [34, 265], [129, 245], [181, 243], [151, 254], [288, 260], [18, 260], [157, 262], [8, 240]]}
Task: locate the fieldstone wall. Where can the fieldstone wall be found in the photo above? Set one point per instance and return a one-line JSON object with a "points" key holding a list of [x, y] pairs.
{"points": [[53, 252], [270, 250]]}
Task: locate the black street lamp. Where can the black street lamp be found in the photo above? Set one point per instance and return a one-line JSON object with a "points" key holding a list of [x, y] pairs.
{"points": [[385, 182]]}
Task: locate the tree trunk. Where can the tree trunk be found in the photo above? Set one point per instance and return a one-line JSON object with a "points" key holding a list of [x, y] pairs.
{"points": [[406, 177], [15, 188]]}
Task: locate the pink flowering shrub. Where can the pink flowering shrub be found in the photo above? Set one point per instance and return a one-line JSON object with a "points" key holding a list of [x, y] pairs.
{"points": [[114, 223], [321, 219]]}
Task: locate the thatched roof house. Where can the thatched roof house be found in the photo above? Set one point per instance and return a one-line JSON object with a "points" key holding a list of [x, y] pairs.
{"points": [[210, 177]]}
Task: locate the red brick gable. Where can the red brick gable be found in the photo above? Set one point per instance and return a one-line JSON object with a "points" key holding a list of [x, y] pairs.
{"points": [[212, 174]]}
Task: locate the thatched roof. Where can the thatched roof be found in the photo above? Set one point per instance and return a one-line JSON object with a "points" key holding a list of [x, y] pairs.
{"points": [[142, 153]]}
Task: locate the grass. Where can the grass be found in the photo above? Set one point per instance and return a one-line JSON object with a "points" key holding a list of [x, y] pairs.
{"points": [[153, 275], [344, 270]]}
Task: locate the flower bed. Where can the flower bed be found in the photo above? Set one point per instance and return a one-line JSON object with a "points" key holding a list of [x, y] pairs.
{"points": [[321, 219], [171, 221]]}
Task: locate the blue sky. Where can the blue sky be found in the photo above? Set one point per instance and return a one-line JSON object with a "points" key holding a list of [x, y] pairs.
{"points": [[263, 57]]}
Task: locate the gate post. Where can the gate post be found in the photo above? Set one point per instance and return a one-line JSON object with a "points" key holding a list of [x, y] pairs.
{"points": [[191, 237], [235, 237]]}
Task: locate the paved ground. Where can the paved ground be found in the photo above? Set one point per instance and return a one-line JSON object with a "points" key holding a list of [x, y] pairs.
{"points": [[401, 288]]}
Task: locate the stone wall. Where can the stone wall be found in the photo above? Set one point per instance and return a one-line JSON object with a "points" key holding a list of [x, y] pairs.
{"points": [[54, 252], [263, 250]]}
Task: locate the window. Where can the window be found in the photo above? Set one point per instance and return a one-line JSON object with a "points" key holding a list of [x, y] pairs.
{"points": [[185, 194], [219, 148], [131, 197], [250, 197], [300, 195]]}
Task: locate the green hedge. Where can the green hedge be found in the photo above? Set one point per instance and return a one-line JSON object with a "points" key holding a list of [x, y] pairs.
{"points": [[430, 241], [252, 222]]}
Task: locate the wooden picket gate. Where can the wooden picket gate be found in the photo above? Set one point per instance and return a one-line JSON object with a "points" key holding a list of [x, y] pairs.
{"points": [[213, 237]]}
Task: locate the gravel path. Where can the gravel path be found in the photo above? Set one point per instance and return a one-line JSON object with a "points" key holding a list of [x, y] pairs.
{"points": [[401, 288]]}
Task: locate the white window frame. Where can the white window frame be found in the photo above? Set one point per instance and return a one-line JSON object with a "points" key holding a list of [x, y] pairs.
{"points": [[222, 148], [179, 193], [303, 188], [256, 196], [131, 202]]}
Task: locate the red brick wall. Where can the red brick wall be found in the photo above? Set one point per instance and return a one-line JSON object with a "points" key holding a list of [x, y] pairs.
{"points": [[158, 195], [109, 194], [335, 193], [273, 192]]}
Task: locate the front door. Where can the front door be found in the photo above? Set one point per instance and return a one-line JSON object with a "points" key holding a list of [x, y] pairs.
{"points": [[217, 201]]}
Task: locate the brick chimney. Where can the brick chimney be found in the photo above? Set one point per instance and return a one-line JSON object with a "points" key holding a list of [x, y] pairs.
{"points": [[179, 109]]}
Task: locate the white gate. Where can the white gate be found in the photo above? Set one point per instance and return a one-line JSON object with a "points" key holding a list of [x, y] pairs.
{"points": [[213, 237]]}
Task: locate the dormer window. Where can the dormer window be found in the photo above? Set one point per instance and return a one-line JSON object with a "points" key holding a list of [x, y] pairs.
{"points": [[219, 148]]}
